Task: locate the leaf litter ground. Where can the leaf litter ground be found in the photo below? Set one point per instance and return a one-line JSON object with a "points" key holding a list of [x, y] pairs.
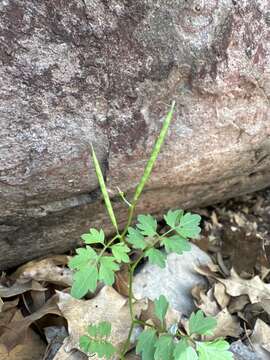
{"points": [[40, 320]]}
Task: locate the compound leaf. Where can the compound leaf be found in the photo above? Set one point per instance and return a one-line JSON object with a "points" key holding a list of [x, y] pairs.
{"points": [[214, 350], [200, 324], [146, 344], [101, 330], [120, 252], [176, 244], [84, 280], [189, 225], [164, 347], [107, 269], [156, 257], [161, 307], [147, 225], [84, 257], [183, 351], [84, 343], [94, 237], [102, 348], [135, 238], [172, 217]]}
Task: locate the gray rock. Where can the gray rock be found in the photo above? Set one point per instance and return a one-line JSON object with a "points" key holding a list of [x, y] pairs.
{"points": [[175, 281], [103, 72], [243, 352]]}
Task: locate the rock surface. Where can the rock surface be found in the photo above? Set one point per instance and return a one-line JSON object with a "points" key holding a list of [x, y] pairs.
{"points": [[242, 352], [103, 72], [175, 281]]}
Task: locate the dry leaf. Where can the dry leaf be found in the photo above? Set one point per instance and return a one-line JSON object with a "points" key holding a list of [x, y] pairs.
{"points": [[255, 288], [220, 295], [227, 325], [32, 348], [261, 339], [18, 288], [51, 269], [15, 332], [121, 281], [205, 301], [108, 305], [238, 303]]}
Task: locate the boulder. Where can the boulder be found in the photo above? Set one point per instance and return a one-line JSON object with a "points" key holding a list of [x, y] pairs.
{"points": [[104, 72]]}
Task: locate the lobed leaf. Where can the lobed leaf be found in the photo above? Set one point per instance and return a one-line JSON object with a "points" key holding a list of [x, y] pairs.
{"points": [[84, 280], [107, 269], [183, 351], [161, 307], [200, 324], [164, 347], [156, 257], [147, 225], [84, 257], [100, 330], [172, 218], [120, 252], [214, 350], [135, 238], [189, 225], [146, 344], [94, 237], [176, 243]]}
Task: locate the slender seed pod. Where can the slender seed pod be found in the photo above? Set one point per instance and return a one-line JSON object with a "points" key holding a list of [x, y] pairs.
{"points": [[104, 190]]}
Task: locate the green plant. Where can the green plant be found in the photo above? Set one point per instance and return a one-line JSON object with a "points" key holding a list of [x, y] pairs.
{"points": [[100, 259]]}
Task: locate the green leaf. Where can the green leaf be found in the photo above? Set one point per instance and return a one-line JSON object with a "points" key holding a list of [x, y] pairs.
{"points": [[104, 190], [214, 350], [201, 325], [161, 307], [84, 343], [94, 237], [156, 257], [100, 330], [189, 225], [176, 244], [172, 218], [183, 351], [84, 257], [146, 344], [164, 348], [147, 225], [107, 269], [135, 238], [102, 348], [120, 252], [83, 281]]}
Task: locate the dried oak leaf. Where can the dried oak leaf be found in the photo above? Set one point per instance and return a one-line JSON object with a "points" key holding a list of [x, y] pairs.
{"points": [[19, 288], [222, 298], [261, 339], [14, 332], [52, 270], [205, 301], [255, 288], [108, 305]]}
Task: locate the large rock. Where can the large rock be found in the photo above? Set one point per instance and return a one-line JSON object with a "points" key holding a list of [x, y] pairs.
{"points": [[104, 72]]}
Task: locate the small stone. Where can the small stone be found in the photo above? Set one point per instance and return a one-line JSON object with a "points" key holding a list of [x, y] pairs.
{"points": [[175, 281], [243, 352]]}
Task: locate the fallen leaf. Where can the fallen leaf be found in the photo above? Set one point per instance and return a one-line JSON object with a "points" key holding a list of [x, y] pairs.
{"points": [[51, 269], [227, 325], [255, 288], [32, 348], [261, 339], [18, 288], [121, 281], [108, 305], [205, 301], [221, 296], [238, 303], [62, 354], [15, 332]]}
